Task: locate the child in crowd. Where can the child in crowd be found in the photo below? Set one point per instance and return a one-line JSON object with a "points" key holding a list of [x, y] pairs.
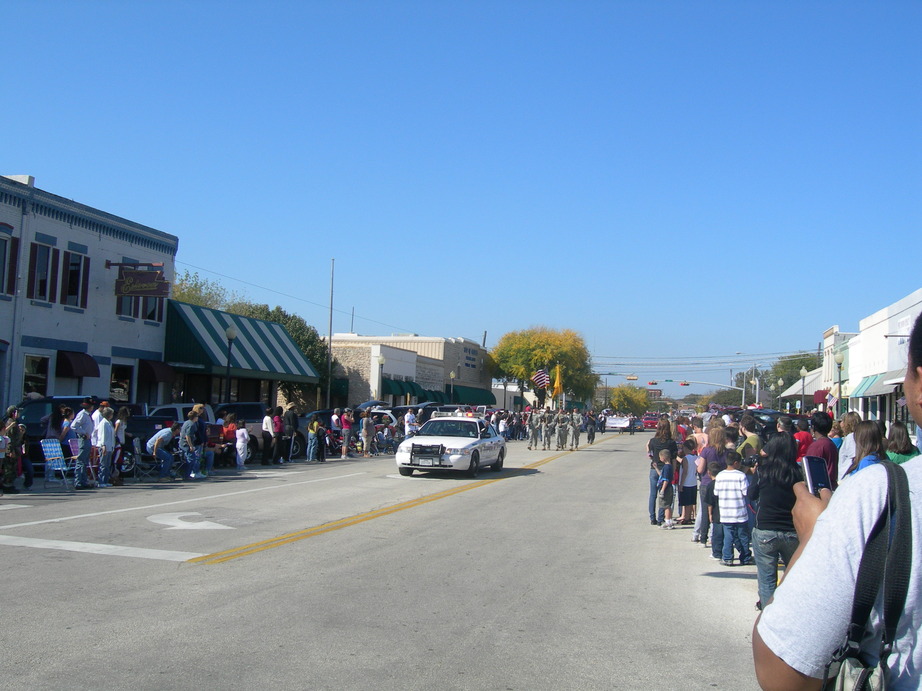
{"points": [[709, 501], [664, 487], [242, 441], [688, 480], [731, 487]]}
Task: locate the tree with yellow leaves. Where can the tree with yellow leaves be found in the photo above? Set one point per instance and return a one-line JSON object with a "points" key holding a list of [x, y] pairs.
{"points": [[519, 354]]}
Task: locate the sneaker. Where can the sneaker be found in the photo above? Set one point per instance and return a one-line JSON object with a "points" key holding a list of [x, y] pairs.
{"points": [[759, 605], [714, 556], [748, 562], [725, 562], [696, 539], [653, 521]]}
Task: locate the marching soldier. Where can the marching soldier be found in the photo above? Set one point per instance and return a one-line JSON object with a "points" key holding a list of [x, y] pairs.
{"points": [[550, 429], [534, 429], [576, 422], [563, 425]]}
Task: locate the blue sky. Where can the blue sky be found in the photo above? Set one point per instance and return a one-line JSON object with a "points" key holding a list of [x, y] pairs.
{"points": [[669, 179]]}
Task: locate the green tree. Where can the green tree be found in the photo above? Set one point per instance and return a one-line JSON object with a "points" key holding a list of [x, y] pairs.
{"points": [[520, 353], [788, 367], [630, 399], [195, 290]]}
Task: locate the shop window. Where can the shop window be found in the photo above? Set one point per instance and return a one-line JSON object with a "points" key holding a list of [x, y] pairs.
{"points": [[120, 382], [127, 306], [35, 375], [152, 309], [75, 279], [9, 254], [43, 272]]}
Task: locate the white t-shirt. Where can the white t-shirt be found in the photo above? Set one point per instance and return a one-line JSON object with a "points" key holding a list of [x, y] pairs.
{"points": [[846, 454], [409, 423], [807, 620]]}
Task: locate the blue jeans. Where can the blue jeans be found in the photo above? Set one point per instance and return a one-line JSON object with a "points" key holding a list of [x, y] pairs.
{"points": [[717, 541], [166, 462], [83, 459], [767, 547], [311, 446], [105, 468], [654, 478], [736, 535]]}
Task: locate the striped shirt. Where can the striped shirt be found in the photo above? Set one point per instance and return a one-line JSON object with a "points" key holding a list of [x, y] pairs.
{"points": [[731, 489]]}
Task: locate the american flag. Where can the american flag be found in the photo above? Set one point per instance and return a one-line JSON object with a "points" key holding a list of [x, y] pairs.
{"points": [[541, 379]]}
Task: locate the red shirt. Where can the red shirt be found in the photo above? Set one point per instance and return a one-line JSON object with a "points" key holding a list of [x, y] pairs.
{"points": [[804, 439]]}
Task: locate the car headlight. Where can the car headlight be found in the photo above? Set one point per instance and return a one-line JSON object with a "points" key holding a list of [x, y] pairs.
{"points": [[403, 448], [458, 452]]}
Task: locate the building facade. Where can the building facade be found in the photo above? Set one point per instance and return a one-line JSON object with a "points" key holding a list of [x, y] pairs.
{"points": [[82, 299], [407, 369]]}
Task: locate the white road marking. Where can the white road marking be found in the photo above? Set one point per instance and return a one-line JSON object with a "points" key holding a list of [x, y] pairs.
{"points": [[175, 522], [93, 548], [4, 507], [175, 503]]}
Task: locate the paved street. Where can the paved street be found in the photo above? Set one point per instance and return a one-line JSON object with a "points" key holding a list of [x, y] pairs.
{"points": [[347, 576]]}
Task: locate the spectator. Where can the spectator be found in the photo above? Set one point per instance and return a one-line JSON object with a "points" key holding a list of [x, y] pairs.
{"points": [[803, 438], [823, 447], [347, 421], [751, 444], [267, 434], [664, 490], [688, 481], [15, 432], [290, 424], [869, 447], [409, 422], [712, 508], [899, 445], [731, 487], [313, 437], [120, 429], [772, 490], [228, 451], [188, 444], [847, 450], [278, 434], [158, 445], [241, 443], [661, 440], [83, 427], [105, 435], [367, 428], [806, 622]]}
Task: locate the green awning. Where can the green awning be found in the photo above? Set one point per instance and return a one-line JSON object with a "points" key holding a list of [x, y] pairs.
{"points": [[864, 385], [394, 388], [416, 390], [196, 341], [470, 395]]}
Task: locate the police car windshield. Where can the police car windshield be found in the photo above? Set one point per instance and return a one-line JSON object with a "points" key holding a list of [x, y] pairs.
{"points": [[449, 428]]}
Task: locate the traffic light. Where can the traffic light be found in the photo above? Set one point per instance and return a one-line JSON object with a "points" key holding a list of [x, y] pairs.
{"points": [[652, 383]]}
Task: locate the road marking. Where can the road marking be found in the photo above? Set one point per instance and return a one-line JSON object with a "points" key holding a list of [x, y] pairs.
{"points": [[93, 548], [4, 507], [175, 503], [175, 522], [246, 550]]}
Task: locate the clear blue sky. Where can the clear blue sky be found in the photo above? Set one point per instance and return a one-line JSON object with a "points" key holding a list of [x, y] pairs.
{"points": [[666, 178]]}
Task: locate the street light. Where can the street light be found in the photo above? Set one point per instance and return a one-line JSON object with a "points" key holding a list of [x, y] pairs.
{"points": [[451, 396], [772, 389], [839, 358], [231, 334], [780, 389], [803, 387], [381, 361]]}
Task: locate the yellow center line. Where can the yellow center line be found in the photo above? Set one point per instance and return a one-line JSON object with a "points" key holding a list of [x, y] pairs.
{"points": [[253, 548]]}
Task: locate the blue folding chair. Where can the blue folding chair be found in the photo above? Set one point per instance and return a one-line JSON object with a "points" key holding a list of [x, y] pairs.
{"points": [[56, 462]]}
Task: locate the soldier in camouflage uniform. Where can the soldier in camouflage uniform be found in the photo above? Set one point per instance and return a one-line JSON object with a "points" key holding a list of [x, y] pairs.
{"points": [[550, 429], [563, 428], [576, 421], [534, 429]]}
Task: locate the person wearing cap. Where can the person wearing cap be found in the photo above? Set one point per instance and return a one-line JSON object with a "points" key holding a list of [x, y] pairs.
{"points": [[83, 426], [290, 425]]}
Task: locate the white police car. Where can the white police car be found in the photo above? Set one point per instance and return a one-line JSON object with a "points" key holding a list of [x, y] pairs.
{"points": [[462, 443]]}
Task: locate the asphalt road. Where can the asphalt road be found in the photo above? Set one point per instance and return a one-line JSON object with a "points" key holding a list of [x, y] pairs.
{"points": [[347, 576]]}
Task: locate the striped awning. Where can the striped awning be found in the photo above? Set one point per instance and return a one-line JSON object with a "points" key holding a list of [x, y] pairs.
{"points": [[864, 385], [196, 341]]}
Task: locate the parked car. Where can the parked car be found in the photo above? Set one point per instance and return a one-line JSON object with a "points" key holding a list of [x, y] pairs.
{"points": [[464, 444]]}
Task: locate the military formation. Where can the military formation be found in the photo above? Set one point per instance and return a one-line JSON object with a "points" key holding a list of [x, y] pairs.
{"points": [[548, 427]]}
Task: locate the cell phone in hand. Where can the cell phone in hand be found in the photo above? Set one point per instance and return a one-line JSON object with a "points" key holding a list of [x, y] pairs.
{"points": [[815, 474]]}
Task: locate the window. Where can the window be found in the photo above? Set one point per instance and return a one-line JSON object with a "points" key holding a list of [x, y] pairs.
{"points": [[126, 306], [75, 279], [43, 270], [152, 309], [35, 375], [120, 382], [9, 254]]}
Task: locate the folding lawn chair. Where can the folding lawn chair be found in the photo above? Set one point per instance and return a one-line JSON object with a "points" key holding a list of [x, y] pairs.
{"points": [[145, 465], [56, 462]]}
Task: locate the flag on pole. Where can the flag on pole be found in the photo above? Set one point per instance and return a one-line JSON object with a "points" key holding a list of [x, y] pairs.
{"points": [[541, 378], [558, 383]]}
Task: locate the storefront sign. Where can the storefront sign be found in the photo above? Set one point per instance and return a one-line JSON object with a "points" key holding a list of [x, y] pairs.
{"points": [[142, 283]]}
